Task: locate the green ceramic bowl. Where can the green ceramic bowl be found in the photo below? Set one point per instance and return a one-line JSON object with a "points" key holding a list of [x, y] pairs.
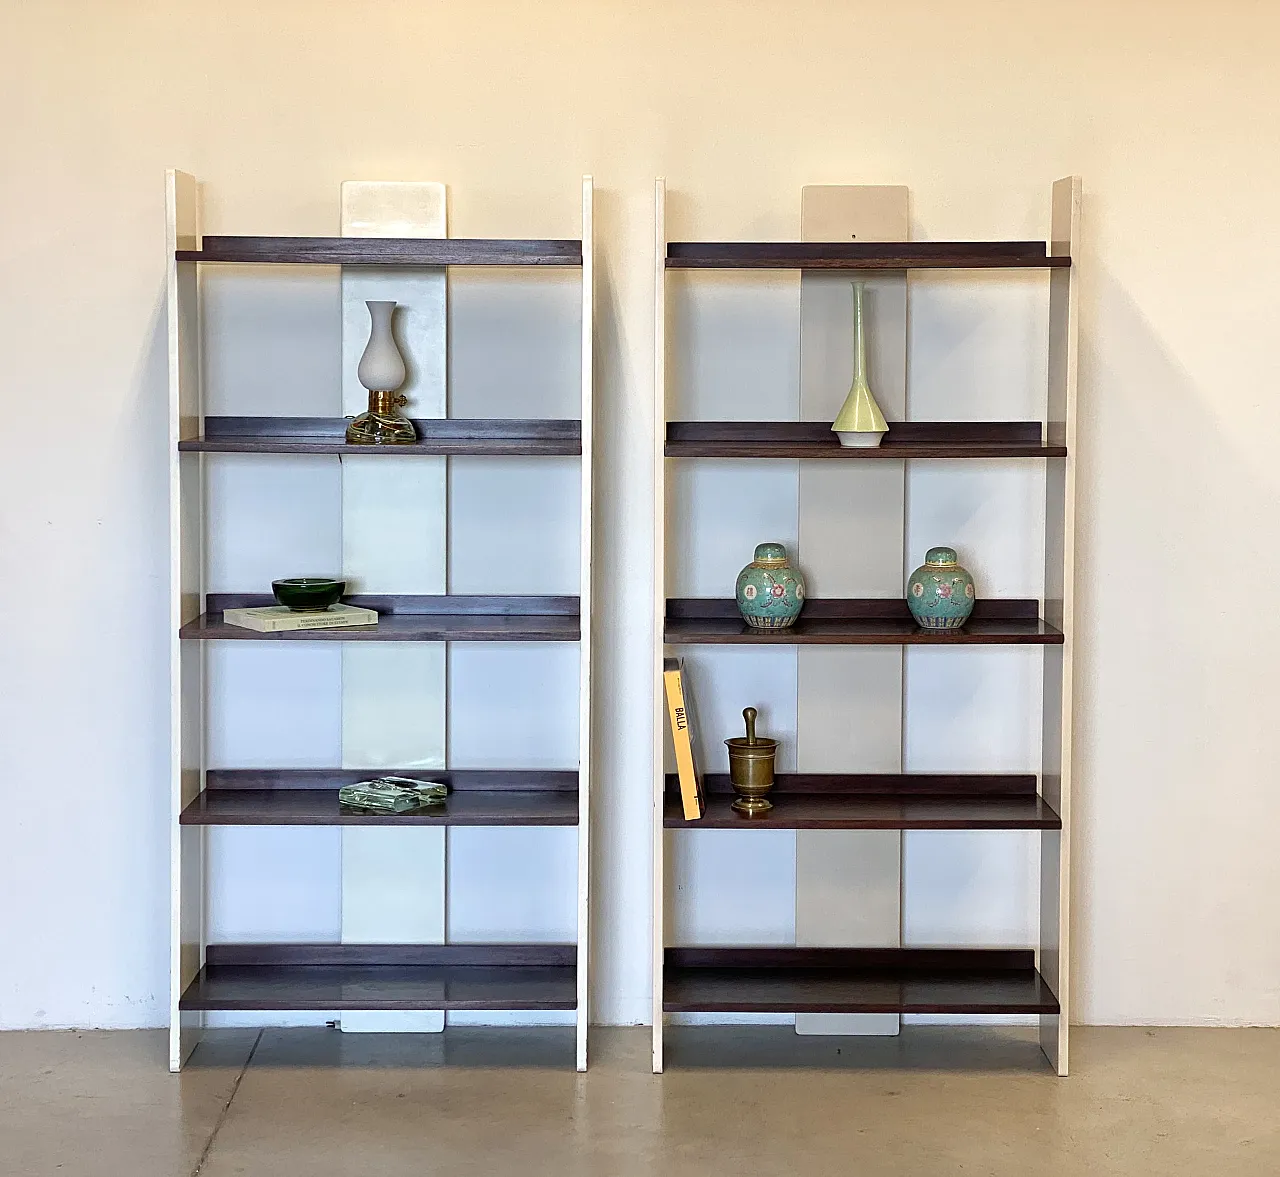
{"points": [[308, 594]]}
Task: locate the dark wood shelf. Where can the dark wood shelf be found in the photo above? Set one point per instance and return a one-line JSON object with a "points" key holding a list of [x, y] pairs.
{"points": [[814, 439], [309, 797], [410, 619], [861, 255], [385, 251], [854, 980], [857, 622], [875, 801], [327, 435], [385, 976]]}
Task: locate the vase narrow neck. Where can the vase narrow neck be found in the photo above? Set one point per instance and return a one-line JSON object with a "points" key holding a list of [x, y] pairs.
{"points": [[859, 337]]}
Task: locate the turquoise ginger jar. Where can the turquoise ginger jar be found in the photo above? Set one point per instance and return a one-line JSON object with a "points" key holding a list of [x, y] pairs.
{"points": [[770, 590], [940, 593]]}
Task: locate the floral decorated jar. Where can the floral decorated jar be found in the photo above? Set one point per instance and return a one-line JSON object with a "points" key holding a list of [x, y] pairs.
{"points": [[770, 590], [940, 593]]}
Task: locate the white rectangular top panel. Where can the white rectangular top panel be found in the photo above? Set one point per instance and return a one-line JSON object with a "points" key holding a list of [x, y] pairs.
{"points": [[393, 208]]}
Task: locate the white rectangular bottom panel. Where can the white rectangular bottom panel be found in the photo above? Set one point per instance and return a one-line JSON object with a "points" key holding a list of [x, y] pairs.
{"points": [[867, 1025]]}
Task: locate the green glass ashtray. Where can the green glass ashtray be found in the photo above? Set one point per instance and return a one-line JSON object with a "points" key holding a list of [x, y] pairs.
{"points": [[308, 594], [392, 794]]}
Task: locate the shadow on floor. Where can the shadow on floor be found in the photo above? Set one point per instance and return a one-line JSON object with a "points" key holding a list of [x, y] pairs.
{"points": [[917, 1048], [460, 1046], [999, 1049]]}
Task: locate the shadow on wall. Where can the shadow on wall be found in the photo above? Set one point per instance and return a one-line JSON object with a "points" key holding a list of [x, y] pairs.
{"points": [[621, 732], [141, 637], [1173, 780]]}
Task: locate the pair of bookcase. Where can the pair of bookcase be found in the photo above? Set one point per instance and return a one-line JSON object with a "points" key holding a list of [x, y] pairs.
{"points": [[393, 965]]}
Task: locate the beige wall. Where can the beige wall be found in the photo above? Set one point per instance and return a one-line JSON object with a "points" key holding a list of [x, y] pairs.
{"points": [[1168, 110]]}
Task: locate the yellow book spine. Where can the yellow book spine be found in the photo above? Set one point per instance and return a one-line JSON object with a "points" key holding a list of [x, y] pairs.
{"points": [[681, 738]]}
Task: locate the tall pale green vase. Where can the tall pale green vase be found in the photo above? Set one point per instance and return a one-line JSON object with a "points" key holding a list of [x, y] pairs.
{"points": [[860, 424]]}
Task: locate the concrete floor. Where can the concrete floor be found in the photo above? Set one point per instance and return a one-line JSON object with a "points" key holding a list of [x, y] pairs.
{"points": [[735, 1100]]}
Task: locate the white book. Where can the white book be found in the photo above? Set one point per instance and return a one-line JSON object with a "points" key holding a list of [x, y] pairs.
{"points": [[278, 618]]}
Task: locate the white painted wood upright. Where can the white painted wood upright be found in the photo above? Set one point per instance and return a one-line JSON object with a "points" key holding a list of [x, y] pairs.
{"points": [[186, 597], [658, 718], [585, 582], [1058, 608], [394, 540], [851, 528]]}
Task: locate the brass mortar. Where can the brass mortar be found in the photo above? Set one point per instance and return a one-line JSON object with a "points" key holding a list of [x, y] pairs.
{"points": [[751, 768]]}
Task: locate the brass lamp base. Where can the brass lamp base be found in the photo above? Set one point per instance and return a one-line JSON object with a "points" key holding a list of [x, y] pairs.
{"points": [[382, 424]]}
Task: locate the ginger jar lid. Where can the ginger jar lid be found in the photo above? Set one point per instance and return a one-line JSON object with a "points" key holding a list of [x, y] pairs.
{"points": [[940, 557], [771, 555]]}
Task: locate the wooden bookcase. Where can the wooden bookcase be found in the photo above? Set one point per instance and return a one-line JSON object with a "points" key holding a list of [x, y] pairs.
{"points": [[848, 970], [422, 974]]}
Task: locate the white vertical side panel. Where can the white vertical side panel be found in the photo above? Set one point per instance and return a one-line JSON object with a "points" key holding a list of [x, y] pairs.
{"points": [[586, 596], [186, 592], [394, 519], [1059, 609], [659, 597], [849, 700]]}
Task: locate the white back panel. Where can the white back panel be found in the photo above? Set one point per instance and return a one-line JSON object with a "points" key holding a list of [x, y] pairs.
{"points": [[394, 541], [849, 703]]}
